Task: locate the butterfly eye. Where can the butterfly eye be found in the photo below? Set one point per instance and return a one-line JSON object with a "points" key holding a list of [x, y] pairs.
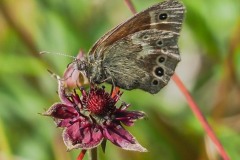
{"points": [[159, 43], [163, 16], [159, 71], [155, 82], [161, 59]]}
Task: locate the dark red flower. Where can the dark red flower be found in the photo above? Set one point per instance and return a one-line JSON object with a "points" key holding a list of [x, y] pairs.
{"points": [[93, 117]]}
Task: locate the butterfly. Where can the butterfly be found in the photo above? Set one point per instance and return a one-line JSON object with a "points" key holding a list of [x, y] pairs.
{"points": [[140, 53]]}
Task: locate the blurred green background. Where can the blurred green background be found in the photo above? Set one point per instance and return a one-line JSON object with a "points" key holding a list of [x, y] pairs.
{"points": [[210, 68]]}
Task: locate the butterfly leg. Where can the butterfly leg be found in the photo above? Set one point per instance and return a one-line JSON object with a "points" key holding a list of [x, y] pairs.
{"points": [[109, 77]]}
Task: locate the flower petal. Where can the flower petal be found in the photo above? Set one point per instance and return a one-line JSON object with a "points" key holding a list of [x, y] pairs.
{"points": [[62, 92], [61, 111], [129, 117], [122, 138], [86, 138]]}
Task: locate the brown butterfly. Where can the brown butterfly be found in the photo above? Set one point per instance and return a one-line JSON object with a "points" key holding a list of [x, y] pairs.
{"points": [[140, 53]]}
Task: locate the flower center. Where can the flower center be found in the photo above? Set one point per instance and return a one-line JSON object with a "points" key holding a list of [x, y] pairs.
{"points": [[100, 102]]}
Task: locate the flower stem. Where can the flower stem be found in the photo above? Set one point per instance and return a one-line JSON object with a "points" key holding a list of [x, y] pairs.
{"points": [[195, 109], [92, 154], [130, 6], [81, 155]]}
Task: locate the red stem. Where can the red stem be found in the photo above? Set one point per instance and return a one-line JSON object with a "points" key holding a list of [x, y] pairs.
{"points": [[195, 109], [82, 154], [130, 6]]}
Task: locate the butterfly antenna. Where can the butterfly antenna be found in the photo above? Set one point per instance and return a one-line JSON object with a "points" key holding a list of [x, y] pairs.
{"points": [[61, 54]]}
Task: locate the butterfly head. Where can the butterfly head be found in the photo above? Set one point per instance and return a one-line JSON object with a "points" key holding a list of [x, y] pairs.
{"points": [[81, 64]]}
